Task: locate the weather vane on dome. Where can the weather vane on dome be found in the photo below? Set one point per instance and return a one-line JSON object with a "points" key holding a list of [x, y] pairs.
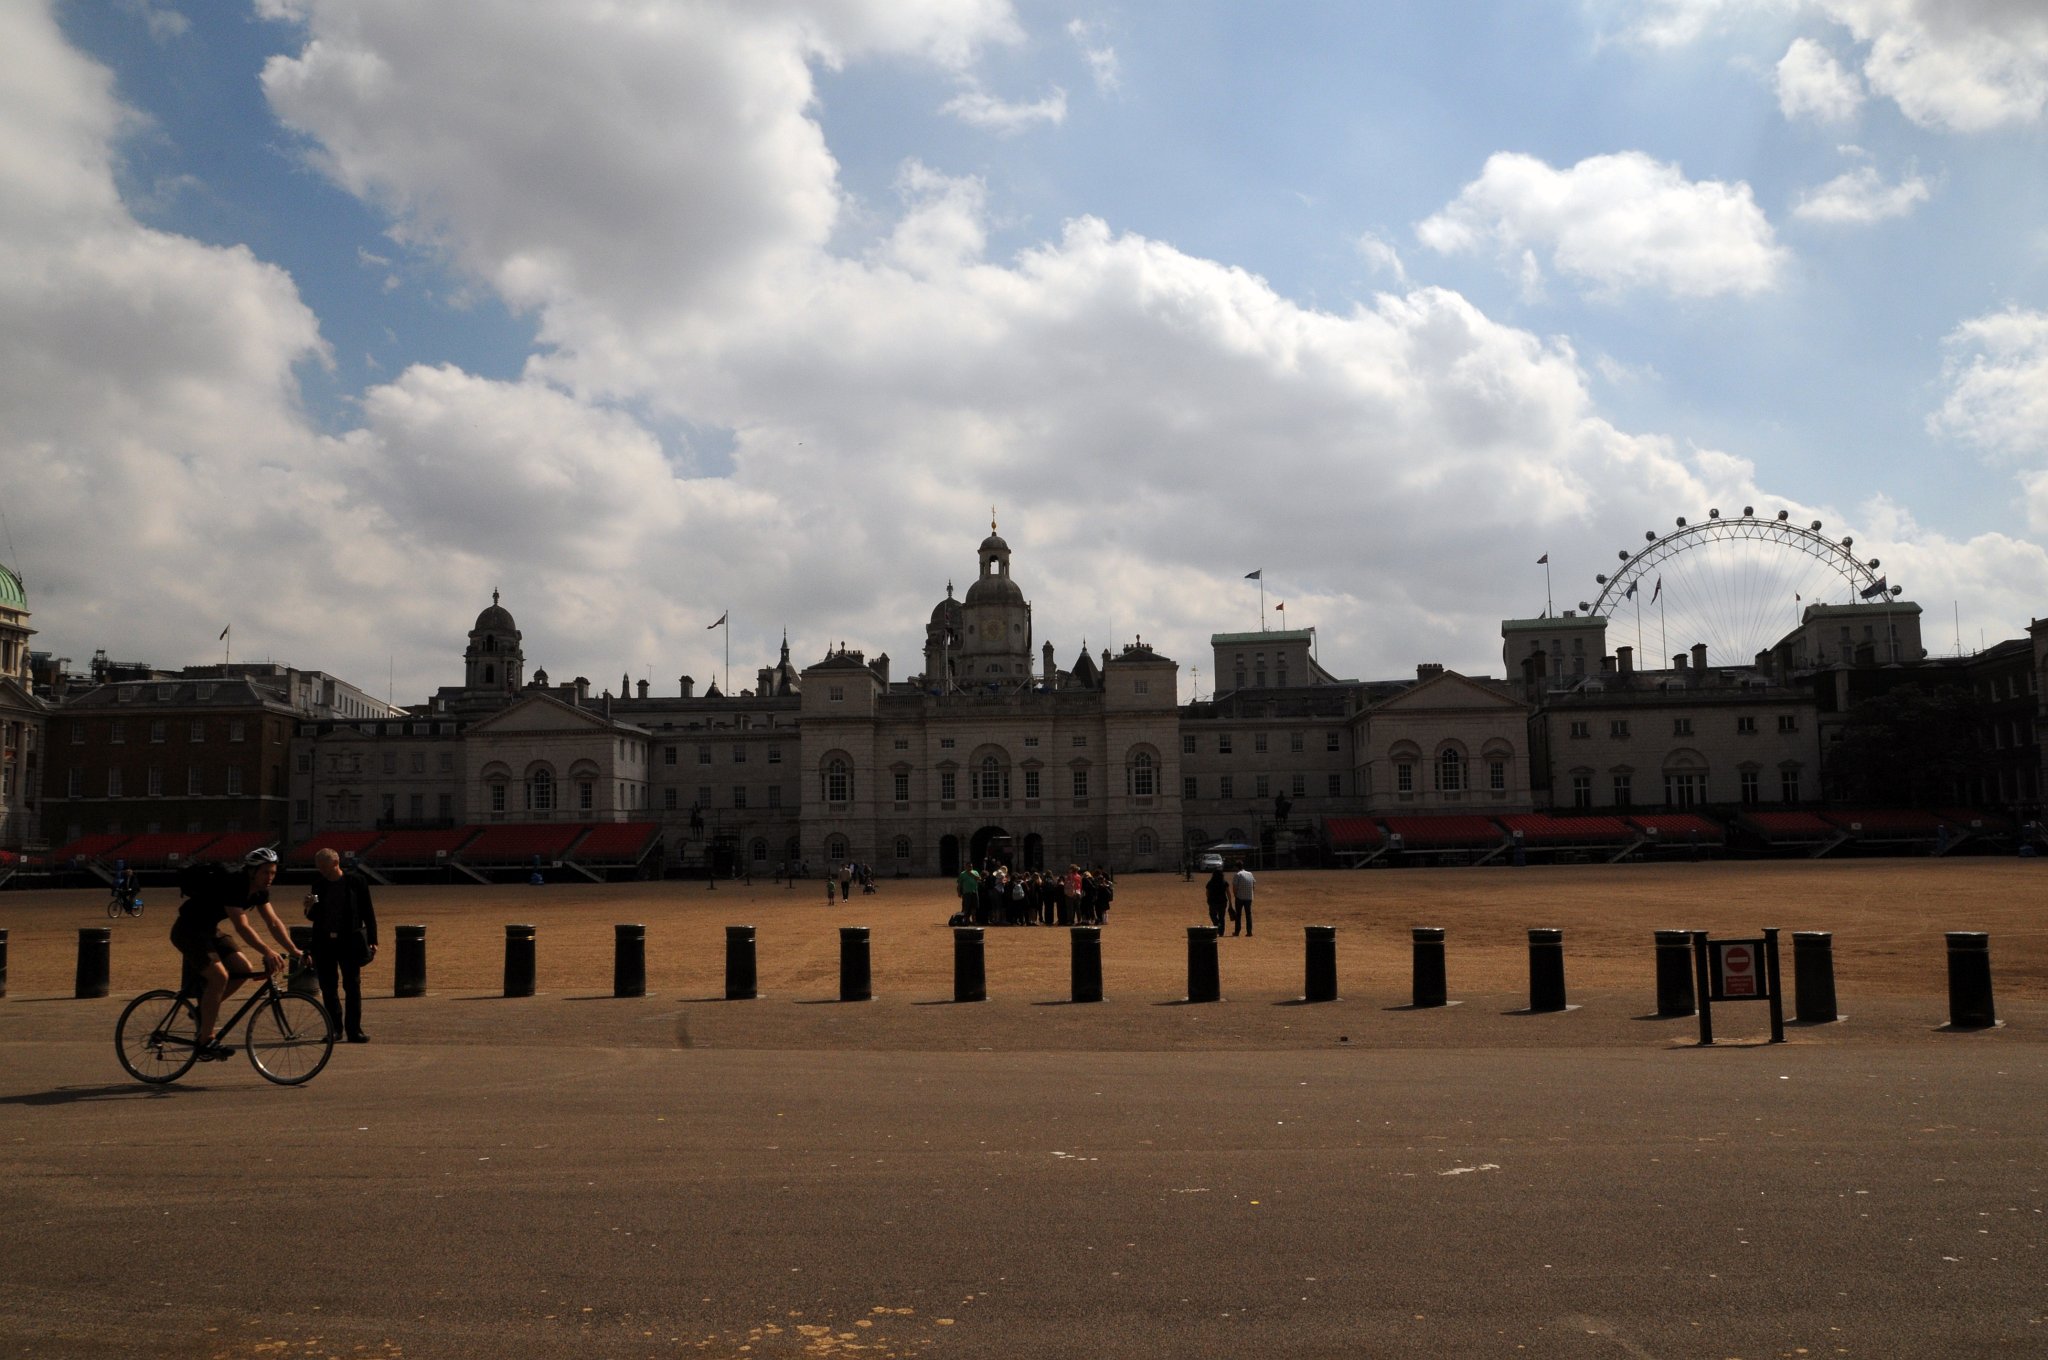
{"points": [[991, 519]]}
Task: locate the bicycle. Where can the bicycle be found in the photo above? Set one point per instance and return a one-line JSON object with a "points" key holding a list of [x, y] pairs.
{"points": [[289, 1037], [128, 901]]}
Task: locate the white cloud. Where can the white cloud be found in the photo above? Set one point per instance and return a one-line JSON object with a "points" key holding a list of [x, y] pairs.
{"points": [[1859, 197], [980, 108], [1997, 375], [1812, 84], [1617, 223], [1674, 23], [1955, 65], [1103, 66], [1381, 255]]}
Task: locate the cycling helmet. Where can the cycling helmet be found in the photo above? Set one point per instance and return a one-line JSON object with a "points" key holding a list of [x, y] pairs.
{"points": [[262, 854]]}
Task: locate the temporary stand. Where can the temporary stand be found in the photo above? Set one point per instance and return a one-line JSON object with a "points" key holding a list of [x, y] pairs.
{"points": [[1738, 970]]}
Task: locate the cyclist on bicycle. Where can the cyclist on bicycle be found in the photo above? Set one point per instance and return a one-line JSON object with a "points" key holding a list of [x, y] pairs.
{"points": [[127, 887], [214, 959]]}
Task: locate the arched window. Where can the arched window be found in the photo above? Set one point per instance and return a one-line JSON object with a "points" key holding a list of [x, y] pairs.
{"points": [[540, 791], [838, 781], [490, 674], [498, 787], [758, 851], [1143, 781], [1145, 843], [903, 848], [1081, 849], [1450, 771], [994, 779]]}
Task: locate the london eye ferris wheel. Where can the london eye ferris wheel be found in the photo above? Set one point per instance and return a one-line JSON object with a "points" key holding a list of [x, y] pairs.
{"points": [[1737, 584]]}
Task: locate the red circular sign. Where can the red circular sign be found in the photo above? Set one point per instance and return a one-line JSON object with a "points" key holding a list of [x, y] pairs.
{"points": [[1735, 958]]}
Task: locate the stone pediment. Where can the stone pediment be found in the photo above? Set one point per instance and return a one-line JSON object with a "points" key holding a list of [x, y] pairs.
{"points": [[1449, 690], [541, 713]]}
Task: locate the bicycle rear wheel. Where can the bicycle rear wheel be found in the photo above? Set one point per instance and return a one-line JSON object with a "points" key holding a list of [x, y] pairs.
{"points": [[157, 1037], [289, 1038]]}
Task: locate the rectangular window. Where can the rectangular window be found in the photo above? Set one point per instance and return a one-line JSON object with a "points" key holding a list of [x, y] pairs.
{"points": [[1336, 786], [739, 795], [1223, 787], [390, 805], [114, 783], [775, 795], [704, 794], [1080, 783], [1222, 743], [1141, 686], [1581, 728], [74, 785], [1187, 744], [1031, 784], [235, 729], [1187, 788], [1404, 776], [1030, 741], [668, 799], [1787, 723], [775, 755], [197, 731], [117, 732], [902, 781], [1497, 776], [194, 782], [901, 743], [1300, 785], [416, 807], [949, 785], [668, 755], [78, 734], [497, 797], [1294, 742], [1259, 742], [156, 732], [1788, 786], [234, 781], [703, 755], [1745, 727], [391, 762], [1080, 741], [444, 806], [1684, 790], [1681, 727], [739, 755], [1332, 741], [1751, 795], [586, 795], [1621, 790], [156, 782], [1618, 729], [1262, 786], [1582, 790], [946, 743], [836, 694]]}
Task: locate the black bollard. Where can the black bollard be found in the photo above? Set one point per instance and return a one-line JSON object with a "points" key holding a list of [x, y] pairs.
{"points": [[519, 951], [409, 961], [1813, 975], [1546, 969], [305, 982], [3, 961], [629, 960], [970, 966], [1429, 989], [742, 980], [1205, 979], [1087, 962], [1674, 973], [1969, 980], [95, 958], [1319, 980], [856, 976]]}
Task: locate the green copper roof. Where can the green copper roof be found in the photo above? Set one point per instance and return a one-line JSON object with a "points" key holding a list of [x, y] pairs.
{"points": [[12, 593]]}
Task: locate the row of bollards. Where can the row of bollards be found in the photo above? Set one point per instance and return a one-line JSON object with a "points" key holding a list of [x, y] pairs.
{"points": [[1969, 967]]}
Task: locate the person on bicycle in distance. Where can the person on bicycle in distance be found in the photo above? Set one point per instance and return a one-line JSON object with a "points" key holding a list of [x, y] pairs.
{"points": [[209, 954]]}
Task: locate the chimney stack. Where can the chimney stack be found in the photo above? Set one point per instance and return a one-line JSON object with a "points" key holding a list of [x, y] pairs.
{"points": [[687, 686], [1625, 660], [1678, 661], [1699, 656]]}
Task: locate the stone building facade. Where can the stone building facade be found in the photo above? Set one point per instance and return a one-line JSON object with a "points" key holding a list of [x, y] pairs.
{"points": [[22, 720]]}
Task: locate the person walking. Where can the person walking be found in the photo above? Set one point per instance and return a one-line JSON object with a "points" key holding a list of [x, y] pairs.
{"points": [[344, 939], [1241, 886], [969, 887], [1219, 898]]}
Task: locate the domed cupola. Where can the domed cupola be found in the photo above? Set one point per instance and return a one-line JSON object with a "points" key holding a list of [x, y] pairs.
{"points": [[14, 629], [493, 660], [995, 618]]}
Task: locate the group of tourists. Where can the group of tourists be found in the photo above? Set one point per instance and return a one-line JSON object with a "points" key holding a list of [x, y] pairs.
{"points": [[846, 876], [997, 895], [1230, 897]]}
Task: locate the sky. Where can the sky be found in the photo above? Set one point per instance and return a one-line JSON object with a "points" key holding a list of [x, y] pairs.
{"points": [[322, 321]]}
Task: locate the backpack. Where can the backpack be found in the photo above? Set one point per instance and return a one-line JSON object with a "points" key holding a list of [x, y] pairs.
{"points": [[209, 884]]}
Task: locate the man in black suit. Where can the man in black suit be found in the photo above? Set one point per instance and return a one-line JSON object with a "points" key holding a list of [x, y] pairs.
{"points": [[344, 938]]}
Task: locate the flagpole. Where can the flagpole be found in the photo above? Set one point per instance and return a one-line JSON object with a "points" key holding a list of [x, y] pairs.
{"points": [[1262, 600], [726, 618], [1549, 605]]}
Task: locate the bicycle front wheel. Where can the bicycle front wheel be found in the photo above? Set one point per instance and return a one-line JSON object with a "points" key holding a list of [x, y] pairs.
{"points": [[157, 1037], [289, 1038], [113, 907]]}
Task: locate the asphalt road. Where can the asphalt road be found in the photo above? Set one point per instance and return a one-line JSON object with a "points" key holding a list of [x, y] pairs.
{"points": [[461, 1190]]}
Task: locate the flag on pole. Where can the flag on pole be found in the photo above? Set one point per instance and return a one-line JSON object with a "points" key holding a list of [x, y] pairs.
{"points": [[1658, 590], [1280, 608], [721, 620], [223, 634], [1873, 590], [1797, 598], [1630, 593], [1258, 575], [1543, 561]]}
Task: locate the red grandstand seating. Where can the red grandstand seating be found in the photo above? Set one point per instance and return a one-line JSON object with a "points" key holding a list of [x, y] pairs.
{"points": [[1791, 826], [96, 846], [1680, 827], [520, 842], [345, 843], [1887, 823], [1353, 833], [617, 842], [1962, 819], [1451, 832], [231, 847], [400, 848], [157, 848], [1542, 829]]}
